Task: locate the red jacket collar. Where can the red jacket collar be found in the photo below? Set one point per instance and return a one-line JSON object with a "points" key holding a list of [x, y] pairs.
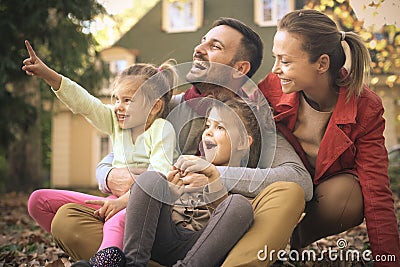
{"points": [[344, 112]]}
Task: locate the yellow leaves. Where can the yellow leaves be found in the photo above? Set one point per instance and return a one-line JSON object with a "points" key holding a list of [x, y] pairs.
{"points": [[329, 3], [377, 4], [365, 35]]}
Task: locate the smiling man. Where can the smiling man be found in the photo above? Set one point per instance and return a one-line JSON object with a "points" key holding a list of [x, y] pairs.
{"points": [[223, 44], [227, 56]]}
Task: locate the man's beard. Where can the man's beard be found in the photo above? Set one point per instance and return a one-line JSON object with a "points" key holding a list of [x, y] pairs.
{"points": [[217, 75], [217, 91]]}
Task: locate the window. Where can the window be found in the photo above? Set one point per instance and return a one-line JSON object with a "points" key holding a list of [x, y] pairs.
{"points": [[268, 12], [118, 66], [105, 146], [182, 15]]}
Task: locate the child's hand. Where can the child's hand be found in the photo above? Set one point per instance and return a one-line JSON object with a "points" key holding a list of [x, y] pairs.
{"points": [[33, 66], [188, 163], [176, 185], [194, 181], [109, 207]]}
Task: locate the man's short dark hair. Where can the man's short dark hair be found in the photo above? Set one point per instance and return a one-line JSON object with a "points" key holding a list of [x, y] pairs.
{"points": [[251, 43]]}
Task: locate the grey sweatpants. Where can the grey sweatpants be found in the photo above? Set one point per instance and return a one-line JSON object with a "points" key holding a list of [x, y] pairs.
{"points": [[150, 232]]}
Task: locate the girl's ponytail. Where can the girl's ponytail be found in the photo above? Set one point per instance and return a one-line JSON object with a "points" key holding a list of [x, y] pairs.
{"points": [[169, 77]]}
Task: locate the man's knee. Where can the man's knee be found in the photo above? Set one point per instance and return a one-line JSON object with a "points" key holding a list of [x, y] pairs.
{"points": [[289, 195], [64, 224], [77, 231]]}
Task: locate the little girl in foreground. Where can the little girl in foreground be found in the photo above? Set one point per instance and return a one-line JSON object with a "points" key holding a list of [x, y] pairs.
{"points": [[141, 138], [231, 134]]}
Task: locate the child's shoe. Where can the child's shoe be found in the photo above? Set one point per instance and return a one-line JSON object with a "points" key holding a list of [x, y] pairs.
{"points": [[108, 257]]}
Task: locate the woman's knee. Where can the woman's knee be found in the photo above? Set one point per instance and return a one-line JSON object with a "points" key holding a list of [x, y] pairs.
{"points": [[340, 198]]}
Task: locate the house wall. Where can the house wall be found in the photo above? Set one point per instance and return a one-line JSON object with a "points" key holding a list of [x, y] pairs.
{"points": [[60, 147], [75, 150]]}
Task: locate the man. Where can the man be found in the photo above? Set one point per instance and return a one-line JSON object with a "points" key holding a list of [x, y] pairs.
{"points": [[283, 189]]}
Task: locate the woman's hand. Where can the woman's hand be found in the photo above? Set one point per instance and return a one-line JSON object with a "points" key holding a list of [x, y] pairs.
{"points": [[33, 66]]}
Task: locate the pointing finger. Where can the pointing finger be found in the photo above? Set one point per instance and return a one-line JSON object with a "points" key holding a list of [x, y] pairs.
{"points": [[31, 52]]}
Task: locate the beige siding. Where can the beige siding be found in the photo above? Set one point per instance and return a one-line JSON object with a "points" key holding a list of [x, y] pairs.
{"points": [[60, 146], [75, 150], [81, 151]]}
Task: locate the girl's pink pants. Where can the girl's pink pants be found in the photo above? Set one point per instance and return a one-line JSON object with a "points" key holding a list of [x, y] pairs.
{"points": [[43, 204]]}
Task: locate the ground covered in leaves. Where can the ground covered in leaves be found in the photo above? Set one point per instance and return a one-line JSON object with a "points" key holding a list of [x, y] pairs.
{"points": [[23, 243]]}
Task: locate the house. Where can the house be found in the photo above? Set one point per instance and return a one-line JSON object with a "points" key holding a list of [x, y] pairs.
{"points": [[171, 29]]}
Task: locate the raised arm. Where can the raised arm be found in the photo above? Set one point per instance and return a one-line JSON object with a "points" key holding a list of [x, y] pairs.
{"points": [[33, 66], [76, 98]]}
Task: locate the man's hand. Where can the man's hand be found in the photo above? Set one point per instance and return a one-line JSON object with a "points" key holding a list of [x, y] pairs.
{"points": [[120, 180], [33, 66]]}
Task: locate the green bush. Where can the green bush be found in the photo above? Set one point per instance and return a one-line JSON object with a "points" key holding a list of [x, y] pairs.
{"points": [[394, 175]]}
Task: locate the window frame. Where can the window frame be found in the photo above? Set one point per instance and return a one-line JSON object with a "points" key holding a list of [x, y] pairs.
{"points": [[259, 9], [197, 10]]}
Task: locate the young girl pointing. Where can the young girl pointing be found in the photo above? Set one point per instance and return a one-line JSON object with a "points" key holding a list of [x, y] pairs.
{"points": [[142, 139]]}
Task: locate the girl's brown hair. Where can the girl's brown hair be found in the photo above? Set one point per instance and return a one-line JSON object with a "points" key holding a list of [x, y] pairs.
{"points": [[320, 35], [158, 83]]}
